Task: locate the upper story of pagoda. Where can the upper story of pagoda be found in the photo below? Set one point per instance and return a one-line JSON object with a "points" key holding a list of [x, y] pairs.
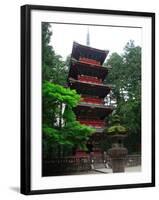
{"points": [[86, 64], [87, 74], [88, 55]]}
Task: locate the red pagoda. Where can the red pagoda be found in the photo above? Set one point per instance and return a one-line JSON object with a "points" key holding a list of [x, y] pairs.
{"points": [[86, 76]]}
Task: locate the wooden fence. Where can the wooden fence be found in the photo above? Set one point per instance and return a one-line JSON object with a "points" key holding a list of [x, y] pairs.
{"points": [[69, 165], [62, 166]]}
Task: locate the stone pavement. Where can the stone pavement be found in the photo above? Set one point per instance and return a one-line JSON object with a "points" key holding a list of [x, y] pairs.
{"points": [[106, 171], [127, 169]]}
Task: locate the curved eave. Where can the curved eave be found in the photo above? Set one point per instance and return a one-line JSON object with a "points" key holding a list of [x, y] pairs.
{"points": [[99, 90], [88, 111], [88, 52], [92, 105], [78, 68]]}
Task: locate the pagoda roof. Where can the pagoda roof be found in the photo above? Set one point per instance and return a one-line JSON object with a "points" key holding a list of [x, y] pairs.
{"points": [[92, 111], [79, 50], [78, 68], [92, 105], [91, 89]]}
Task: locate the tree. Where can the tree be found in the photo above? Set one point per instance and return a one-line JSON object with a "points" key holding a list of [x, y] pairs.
{"points": [[61, 131], [53, 68], [126, 76], [115, 75]]}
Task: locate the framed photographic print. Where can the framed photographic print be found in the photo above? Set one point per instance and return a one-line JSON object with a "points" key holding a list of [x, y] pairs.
{"points": [[87, 99]]}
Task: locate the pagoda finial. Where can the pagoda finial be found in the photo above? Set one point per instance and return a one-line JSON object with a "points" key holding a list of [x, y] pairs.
{"points": [[88, 38]]}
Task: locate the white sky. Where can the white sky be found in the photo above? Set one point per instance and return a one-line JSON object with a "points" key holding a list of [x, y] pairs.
{"points": [[107, 38]]}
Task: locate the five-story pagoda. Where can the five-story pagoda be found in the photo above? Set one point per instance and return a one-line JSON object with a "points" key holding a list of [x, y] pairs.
{"points": [[86, 76]]}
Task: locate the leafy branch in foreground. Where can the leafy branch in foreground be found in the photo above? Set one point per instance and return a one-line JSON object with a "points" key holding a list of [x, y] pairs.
{"points": [[61, 130]]}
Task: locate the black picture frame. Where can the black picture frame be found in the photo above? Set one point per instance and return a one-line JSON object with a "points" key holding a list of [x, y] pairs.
{"points": [[26, 88]]}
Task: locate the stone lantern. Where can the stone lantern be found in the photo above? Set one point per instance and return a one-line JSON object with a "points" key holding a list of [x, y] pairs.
{"points": [[117, 152]]}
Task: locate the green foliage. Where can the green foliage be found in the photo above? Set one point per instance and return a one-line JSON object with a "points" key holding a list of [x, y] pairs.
{"points": [[115, 75], [57, 93], [126, 76], [70, 133], [77, 134], [126, 72], [53, 68], [116, 127], [55, 135]]}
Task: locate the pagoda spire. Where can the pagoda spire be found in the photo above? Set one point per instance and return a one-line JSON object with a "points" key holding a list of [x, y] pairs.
{"points": [[88, 38]]}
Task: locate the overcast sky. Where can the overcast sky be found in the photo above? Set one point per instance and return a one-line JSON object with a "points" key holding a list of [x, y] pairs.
{"points": [[107, 38]]}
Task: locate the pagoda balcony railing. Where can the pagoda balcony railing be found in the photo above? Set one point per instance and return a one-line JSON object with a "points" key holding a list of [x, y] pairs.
{"points": [[89, 79], [93, 123], [89, 61], [92, 100]]}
